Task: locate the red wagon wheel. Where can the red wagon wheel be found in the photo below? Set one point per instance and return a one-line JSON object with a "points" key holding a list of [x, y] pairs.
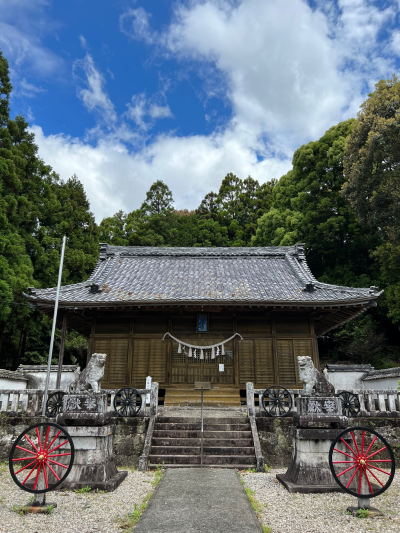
{"points": [[41, 457], [362, 462]]}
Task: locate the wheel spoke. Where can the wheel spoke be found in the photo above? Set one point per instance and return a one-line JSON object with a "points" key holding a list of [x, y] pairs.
{"points": [[51, 443], [58, 479], [369, 484], [29, 475], [342, 462], [372, 474], [59, 454], [45, 476], [37, 476], [344, 471], [344, 453], [59, 464], [47, 436], [352, 477], [372, 454], [29, 440], [360, 480], [355, 443], [370, 446], [25, 450], [39, 441], [27, 466], [349, 447], [380, 470], [54, 449]]}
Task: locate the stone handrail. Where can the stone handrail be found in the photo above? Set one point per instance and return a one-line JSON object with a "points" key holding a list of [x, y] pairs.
{"points": [[29, 401], [373, 402]]}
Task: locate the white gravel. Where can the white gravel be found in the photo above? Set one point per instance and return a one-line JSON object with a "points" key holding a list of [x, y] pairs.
{"points": [[75, 513], [319, 513]]}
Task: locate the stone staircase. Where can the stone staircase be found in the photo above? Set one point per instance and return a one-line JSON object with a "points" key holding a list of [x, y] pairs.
{"points": [[192, 397], [227, 443]]}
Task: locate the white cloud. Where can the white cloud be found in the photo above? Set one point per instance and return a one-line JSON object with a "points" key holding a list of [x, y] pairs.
{"points": [[24, 49], [134, 23], [289, 72], [141, 107], [83, 41], [94, 97], [24, 88], [116, 178]]}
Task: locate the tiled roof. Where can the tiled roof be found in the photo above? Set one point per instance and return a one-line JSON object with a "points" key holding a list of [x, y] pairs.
{"points": [[43, 368], [137, 275], [349, 368], [384, 373], [9, 374]]}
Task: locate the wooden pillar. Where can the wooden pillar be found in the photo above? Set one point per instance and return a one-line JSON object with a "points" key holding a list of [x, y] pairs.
{"points": [[62, 346]]}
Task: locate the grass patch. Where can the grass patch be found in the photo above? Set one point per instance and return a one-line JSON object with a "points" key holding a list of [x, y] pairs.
{"points": [[83, 490], [363, 513], [129, 521], [256, 505], [20, 509]]}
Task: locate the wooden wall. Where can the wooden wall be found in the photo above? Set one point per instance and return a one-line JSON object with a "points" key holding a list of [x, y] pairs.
{"points": [[266, 355]]}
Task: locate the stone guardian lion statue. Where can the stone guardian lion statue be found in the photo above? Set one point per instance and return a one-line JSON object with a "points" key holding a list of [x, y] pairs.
{"points": [[91, 376], [313, 381]]}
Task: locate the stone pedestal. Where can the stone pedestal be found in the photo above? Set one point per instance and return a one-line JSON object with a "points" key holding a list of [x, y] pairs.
{"points": [[88, 424], [318, 422], [309, 471]]}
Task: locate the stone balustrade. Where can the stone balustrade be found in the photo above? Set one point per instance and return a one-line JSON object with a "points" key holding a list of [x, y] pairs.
{"points": [[373, 402], [29, 401]]}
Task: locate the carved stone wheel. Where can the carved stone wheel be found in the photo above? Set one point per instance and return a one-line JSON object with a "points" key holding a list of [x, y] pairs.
{"points": [[127, 402], [277, 401], [41, 457], [362, 462], [350, 403], [54, 404]]}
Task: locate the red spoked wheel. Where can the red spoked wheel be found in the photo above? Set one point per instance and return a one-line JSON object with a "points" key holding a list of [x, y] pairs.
{"points": [[362, 462], [41, 457]]}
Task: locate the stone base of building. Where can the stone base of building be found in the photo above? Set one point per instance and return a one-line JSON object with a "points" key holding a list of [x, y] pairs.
{"points": [[109, 485], [94, 464], [309, 471]]}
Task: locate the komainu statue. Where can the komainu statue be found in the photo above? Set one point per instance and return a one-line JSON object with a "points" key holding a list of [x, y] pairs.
{"points": [[91, 376], [313, 380]]}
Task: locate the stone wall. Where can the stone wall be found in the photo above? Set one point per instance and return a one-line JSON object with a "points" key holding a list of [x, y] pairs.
{"points": [[130, 434], [276, 445]]}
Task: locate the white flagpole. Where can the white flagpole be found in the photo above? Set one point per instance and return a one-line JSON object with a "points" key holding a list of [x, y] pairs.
{"points": [[53, 329]]}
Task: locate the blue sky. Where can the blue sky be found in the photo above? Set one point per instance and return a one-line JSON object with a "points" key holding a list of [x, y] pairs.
{"points": [[123, 93]]}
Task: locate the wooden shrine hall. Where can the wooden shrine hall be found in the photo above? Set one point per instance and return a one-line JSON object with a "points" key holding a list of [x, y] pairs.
{"points": [[200, 297]]}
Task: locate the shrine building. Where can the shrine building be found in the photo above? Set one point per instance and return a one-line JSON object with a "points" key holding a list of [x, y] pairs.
{"points": [[200, 297]]}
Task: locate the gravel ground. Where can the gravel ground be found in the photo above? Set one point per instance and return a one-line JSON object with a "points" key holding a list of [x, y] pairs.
{"points": [[75, 513], [319, 513]]}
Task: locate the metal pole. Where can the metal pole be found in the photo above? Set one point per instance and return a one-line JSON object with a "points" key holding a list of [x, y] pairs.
{"points": [[62, 347], [53, 329], [202, 432]]}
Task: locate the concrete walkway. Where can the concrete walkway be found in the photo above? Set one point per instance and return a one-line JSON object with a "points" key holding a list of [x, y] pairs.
{"points": [[199, 500]]}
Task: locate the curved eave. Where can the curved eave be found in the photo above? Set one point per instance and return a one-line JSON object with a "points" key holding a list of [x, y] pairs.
{"points": [[367, 302]]}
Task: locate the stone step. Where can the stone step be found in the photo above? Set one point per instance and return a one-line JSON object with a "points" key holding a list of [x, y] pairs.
{"points": [[192, 397], [196, 450], [197, 420], [163, 441], [207, 459], [179, 426], [238, 467], [196, 434]]}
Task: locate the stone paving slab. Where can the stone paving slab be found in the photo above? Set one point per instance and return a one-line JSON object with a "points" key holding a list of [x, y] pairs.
{"points": [[199, 500]]}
